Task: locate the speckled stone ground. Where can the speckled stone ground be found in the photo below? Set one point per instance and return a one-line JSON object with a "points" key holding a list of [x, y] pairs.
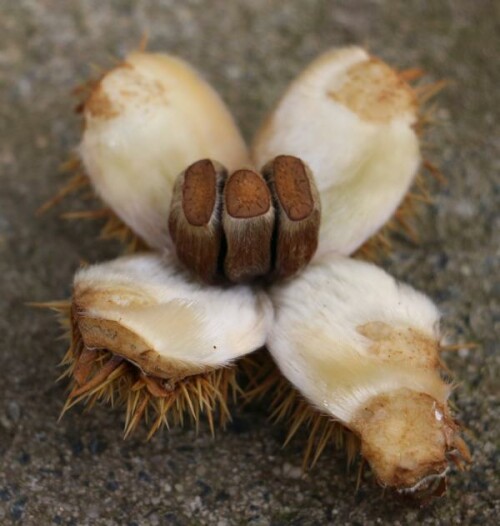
{"points": [[79, 471]]}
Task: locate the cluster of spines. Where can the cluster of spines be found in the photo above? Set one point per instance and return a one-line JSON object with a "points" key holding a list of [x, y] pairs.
{"points": [[288, 405], [101, 376]]}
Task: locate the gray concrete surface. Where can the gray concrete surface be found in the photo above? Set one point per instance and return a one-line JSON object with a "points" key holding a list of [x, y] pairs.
{"points": [[79, 471]]}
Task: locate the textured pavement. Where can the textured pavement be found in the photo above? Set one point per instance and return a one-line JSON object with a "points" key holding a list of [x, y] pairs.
{"points": [[80, 471]]}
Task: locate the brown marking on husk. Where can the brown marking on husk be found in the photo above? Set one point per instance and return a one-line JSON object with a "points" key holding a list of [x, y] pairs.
{"points": [[403, 344], [375, 92], [98, 333], [92, 97], [100, 105]]}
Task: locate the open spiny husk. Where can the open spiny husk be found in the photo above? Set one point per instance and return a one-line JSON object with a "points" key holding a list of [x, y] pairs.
{"points": [[97, 375], [127, 387]]}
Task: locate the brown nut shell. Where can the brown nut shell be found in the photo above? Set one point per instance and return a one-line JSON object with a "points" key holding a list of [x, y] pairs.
{"points": [[298, 213], [248, 222], [194, 220]]}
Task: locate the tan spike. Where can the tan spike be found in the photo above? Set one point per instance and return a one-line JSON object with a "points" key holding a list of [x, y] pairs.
{"points": [[113, 227], [322, 442], [137, 416], [75, 183], [311, 444], [288, 406], [409, 75]]}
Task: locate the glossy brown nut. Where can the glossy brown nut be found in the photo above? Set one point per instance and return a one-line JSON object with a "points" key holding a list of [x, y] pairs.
{"points": [[194, 220], [248, 222], [298, 213]]}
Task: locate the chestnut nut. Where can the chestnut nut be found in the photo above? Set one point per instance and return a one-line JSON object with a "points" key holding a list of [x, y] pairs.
{"points": [[245, 225]]}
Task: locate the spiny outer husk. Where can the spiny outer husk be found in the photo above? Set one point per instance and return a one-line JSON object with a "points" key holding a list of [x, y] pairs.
{"points": [[157, 314], [402, 222], [113, 227], [354, 121], [146, 335], [145, 122], [343, 362], [99, 376]]}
